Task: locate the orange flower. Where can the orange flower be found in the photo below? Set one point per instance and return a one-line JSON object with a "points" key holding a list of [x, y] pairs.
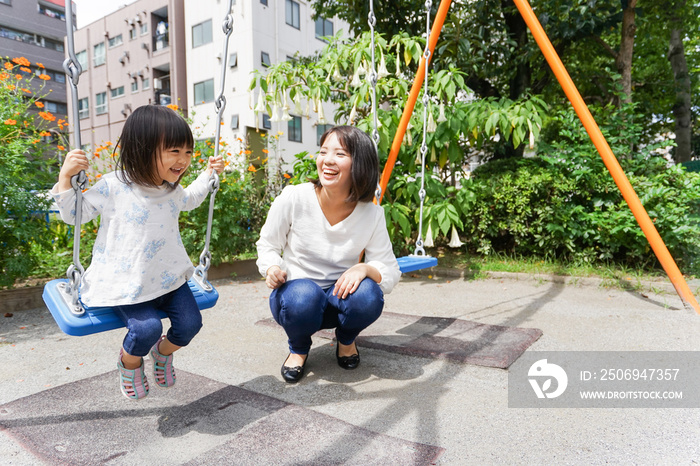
{"points": [[8, 65], [44, 77], [11, 87], [25, 69], [39, 104], [99, 175], [21, 61], [24, 89], [251, 169], [265, 151], [47, 116], [36, 141], [10, 122], [60, 147], [173, 107], [287, 175], [44, 134], [40, 65], [18, 76], [247, 152], [4, 76]]}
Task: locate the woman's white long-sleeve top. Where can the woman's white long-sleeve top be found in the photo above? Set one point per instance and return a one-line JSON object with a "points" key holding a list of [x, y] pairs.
{"points": [[138, 254], [298, 238]]}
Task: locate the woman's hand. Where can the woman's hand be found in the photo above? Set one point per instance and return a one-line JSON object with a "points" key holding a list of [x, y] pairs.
{"points": [[215, 163], [75, 162], [275, 277], [350, 280]]}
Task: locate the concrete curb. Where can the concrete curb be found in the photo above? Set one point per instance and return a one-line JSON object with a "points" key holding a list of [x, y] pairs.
{"points": [[21, 299]]}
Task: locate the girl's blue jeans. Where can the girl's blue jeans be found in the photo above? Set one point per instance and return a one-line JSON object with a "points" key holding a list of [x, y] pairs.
{"points": [[302, 308], [144, 326]]}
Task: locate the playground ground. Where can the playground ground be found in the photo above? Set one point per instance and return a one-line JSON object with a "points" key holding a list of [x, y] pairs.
{"points": [[59, 401]]}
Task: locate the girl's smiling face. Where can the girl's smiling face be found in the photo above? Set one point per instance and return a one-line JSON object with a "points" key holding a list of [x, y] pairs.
{"points": [[173, 162], [334, 165]]}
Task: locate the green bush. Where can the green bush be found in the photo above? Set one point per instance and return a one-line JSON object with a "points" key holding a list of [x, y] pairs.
{"points": [[23, 171], [565, 204]]}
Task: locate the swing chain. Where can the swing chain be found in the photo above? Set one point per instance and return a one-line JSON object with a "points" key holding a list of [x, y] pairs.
{"points": [[373, 76], [420, 251], [220, 103]]}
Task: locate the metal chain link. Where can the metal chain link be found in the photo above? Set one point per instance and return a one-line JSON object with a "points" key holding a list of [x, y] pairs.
{"points": [[373, 76], [420, 251], [72, 68], [202, 269]]}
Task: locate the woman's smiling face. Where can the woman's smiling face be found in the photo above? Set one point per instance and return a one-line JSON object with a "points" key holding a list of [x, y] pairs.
{"points": [[334, 165]]}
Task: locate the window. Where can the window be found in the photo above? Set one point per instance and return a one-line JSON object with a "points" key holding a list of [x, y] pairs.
{"points": [[132, 33], [320, 129], [292, 13], [115, 41], [134, 86], [145, 84], [201, 34], [50, 12], [82, 59], [98, 54], [144, 28], [234, 121], [117, 92], [294, 129], [83, 108], [266, 123], [264, 2], [100, 103], [9, 2], [324, 28], [233, 60], [55, 107], [265, 59], [204, 92]]}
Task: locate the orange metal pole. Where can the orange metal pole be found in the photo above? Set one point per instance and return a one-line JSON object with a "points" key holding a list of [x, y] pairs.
{"points": [[412, 97], [584, 114]]}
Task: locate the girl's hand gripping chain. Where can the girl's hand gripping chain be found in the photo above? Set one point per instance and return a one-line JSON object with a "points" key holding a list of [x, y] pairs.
{"points": [[74, 163], [215, 163]]}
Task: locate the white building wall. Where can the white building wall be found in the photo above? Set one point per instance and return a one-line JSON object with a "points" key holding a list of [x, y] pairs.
{"points": [[257, 28]]}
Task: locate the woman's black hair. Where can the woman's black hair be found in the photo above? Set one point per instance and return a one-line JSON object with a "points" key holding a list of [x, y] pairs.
{"points": [[147, 131], [365, 162]]}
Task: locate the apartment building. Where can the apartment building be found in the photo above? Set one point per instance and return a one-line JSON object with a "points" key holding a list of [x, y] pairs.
{"points": [[132, 57], [264, 32], [35, 29]]}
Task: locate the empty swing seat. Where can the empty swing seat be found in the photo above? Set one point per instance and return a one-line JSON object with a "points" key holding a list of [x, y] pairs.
{"points": [[101, 319], [414, 262]]}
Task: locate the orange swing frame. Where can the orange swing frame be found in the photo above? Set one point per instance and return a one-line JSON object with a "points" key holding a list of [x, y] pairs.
{"points": [[640, 214]]}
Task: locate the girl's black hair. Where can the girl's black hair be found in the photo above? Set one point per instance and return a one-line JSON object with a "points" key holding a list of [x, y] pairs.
{"points": [[147, 131], [365, 162]]}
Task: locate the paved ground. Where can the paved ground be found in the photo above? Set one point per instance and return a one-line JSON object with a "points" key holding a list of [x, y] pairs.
{"points": [[459, 407]]}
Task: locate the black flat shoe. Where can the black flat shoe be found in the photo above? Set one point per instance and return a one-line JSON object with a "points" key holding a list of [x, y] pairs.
{"points": [[347, 362], [293, 374]]}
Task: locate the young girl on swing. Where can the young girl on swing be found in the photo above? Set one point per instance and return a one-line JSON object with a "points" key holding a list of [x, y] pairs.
{"points": [[139, 264]]}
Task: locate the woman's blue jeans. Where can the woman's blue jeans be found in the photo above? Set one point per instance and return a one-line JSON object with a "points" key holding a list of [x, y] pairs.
{"points": [[143, 322], [302, 308]]}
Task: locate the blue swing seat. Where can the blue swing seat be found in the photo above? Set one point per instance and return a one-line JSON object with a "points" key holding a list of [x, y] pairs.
{"points": [[413, 262], [101, 319]]}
